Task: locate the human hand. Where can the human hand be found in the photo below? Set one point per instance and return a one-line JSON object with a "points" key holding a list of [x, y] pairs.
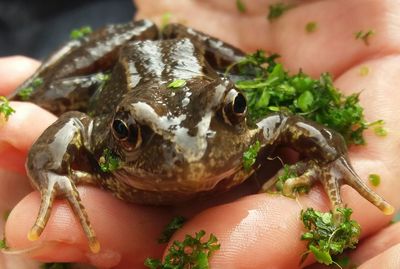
{"points": [[259, 231]]}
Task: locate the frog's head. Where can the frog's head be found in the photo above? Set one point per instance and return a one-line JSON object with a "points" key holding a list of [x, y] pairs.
{"points": [[185, 140]]}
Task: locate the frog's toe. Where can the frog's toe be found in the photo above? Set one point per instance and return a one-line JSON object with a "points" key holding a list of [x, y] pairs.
{"points": [[351, 178], [76, 205], [47, 198], [332, 175], [301, 175], [340, 172], [62, 186]]}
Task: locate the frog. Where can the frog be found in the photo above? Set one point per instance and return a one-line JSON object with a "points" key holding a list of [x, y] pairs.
{"points": [[116, 96]]}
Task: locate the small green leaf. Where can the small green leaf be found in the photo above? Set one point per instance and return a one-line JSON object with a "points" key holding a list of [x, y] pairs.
{"points": [[175, 224], [25, 93], [344, 262], [192, 252], [103, 77], [364, 71], [3, 244], [321, 256], [374, 179], [364, 35], [37, 82], [380, 131], [5, 109], [277, 10], [202, 261], [165, 19], [240, 6], [311, 27], [250, 155], [263, 101], [109, 162], [153, 263], [305, 101], [326, 217], [80, 32], [177, 83]]}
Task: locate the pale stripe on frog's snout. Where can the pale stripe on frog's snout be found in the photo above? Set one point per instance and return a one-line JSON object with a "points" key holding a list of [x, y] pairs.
{"points": [[170, 128]]}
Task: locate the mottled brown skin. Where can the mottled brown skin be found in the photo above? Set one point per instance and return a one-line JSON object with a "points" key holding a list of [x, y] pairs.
{"points": [[174, 144]]}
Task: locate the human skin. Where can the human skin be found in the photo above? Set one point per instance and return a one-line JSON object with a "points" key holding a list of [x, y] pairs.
{"points": [[254, 230]]}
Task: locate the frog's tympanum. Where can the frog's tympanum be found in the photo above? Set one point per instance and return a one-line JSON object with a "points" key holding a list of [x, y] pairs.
{"points": [[168, 142]]}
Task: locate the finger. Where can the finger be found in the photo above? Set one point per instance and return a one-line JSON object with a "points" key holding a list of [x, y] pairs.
{"points": [[389, 259], [260, 231], [14, 70], [19, 131], [332, 47], [263, 231], [376, 245], [122, 229], [380, 155]]}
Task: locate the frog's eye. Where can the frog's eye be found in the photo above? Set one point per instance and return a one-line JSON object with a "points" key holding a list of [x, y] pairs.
{"points": [[120, 129], [127, 132], [235, 107]]}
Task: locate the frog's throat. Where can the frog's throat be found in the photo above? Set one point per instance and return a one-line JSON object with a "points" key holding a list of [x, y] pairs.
{"points": [[186, 183]]}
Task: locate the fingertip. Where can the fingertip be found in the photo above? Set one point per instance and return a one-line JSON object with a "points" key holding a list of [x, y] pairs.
{"points": [[121, 229], [14, 70], [255, 225], [25, 125]]}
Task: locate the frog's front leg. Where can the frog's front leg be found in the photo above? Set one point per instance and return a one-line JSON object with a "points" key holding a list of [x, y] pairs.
{"points": [[326, 159], [56, 163], [72, 72]]}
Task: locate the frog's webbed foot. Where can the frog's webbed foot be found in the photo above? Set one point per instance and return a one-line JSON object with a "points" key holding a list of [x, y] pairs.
{"points": [[60, 185]]}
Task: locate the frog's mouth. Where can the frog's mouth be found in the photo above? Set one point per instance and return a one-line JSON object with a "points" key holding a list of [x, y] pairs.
{"points": [[190, 182]]}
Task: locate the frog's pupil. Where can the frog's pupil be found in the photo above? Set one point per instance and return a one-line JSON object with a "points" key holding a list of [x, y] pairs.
{"points": [[239, 104], [120, 128]]}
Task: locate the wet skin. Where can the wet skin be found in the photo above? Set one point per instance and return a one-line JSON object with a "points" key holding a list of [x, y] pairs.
{"points": [[174, 144]]}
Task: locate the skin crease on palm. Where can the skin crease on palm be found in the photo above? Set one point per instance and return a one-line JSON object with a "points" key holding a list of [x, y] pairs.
{"points": [[255, 231]]}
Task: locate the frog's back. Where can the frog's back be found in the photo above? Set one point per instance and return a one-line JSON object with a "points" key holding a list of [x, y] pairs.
{"points": [[145, 71]]}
